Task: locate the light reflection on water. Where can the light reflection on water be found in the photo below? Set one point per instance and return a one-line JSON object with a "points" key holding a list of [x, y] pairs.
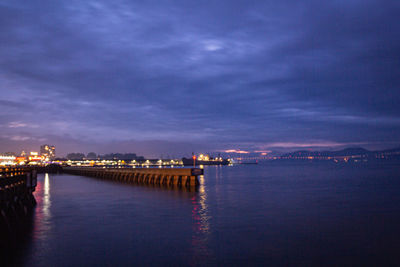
{"points": [[43, 220], [201, 225], [46, 198]]}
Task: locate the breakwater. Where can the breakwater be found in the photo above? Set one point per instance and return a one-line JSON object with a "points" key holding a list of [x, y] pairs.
{"points": [[161, 176]]}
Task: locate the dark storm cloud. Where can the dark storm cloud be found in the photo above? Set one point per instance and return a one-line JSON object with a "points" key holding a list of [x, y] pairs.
{"points": [[218, 74]]}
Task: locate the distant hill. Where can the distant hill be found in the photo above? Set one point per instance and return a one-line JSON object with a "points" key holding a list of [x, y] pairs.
{"points": [[393, 150], [344, 154]]}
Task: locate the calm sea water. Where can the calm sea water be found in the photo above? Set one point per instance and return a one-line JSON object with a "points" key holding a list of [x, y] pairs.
{"points": [[240, 215]]}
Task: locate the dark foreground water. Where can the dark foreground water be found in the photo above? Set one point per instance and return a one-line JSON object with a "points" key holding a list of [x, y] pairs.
{"points": [[241, 215]]}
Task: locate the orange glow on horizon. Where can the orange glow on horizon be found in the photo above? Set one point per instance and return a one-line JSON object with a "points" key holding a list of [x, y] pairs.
{"points": [[237, 151]]}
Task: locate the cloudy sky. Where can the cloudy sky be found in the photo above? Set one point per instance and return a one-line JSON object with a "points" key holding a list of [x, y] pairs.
{"points": [[172, 77]]}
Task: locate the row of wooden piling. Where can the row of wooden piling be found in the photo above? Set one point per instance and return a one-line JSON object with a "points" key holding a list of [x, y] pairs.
{"points": [[151, 176]]}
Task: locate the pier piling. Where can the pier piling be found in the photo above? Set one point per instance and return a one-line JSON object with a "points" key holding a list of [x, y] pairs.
{"points": [[153, 176]]}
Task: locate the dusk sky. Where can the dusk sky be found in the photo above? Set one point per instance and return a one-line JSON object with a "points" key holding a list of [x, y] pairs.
{"points": [[172, 77]]}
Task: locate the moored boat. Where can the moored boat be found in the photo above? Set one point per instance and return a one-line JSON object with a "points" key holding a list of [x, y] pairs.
{"points": [[204, 160]]}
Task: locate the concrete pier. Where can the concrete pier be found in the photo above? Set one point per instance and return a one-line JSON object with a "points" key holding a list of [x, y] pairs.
{"points": [[160, 176]]}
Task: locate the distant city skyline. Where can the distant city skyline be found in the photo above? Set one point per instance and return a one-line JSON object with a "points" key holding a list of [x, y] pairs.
{"points": [[265, 154], [178, 77]]}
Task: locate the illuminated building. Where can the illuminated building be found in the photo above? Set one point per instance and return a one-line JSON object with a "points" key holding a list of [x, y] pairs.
{"points": [[34, 158], [20, 160], [7, 160], [48, 151]]}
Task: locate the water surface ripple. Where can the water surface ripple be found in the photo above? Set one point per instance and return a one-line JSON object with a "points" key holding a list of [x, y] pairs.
{"points": [[240, 215]]}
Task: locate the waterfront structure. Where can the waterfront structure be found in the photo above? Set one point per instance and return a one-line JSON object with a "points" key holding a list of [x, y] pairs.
{"points": [[155, 176], [48, 151], [16, 187]]}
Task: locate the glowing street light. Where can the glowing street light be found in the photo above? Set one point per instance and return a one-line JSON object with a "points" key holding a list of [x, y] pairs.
{"points": [[194, 161]]}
